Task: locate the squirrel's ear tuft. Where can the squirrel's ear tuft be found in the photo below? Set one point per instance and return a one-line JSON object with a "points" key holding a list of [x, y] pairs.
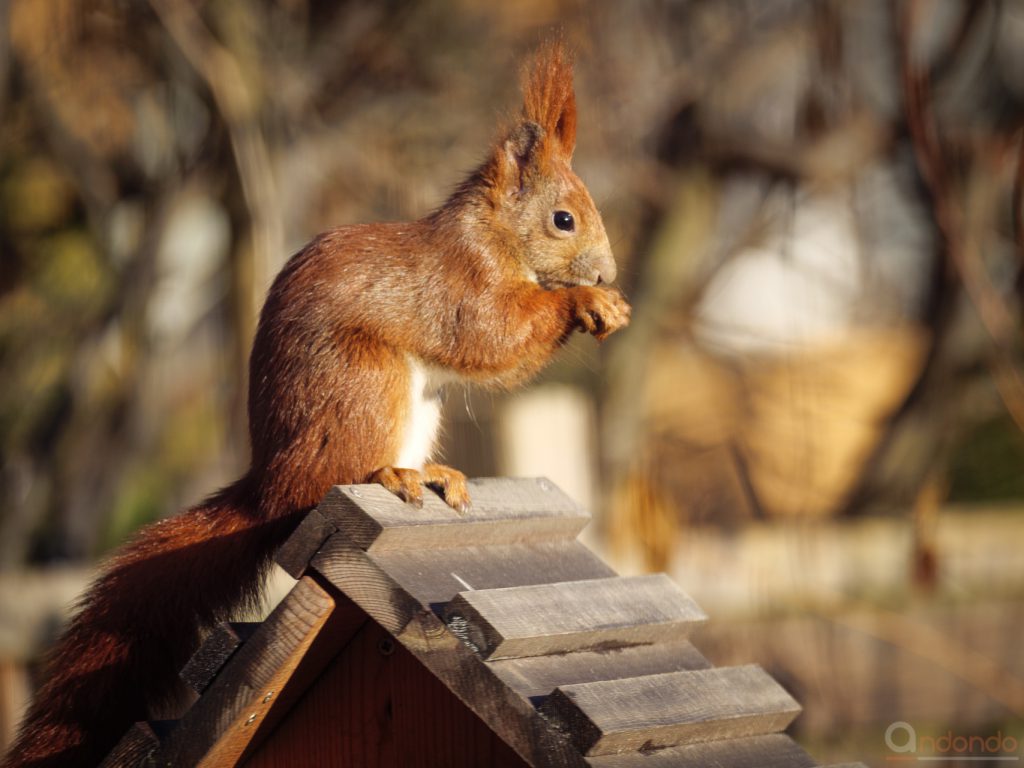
{"points": [[548, 96]]}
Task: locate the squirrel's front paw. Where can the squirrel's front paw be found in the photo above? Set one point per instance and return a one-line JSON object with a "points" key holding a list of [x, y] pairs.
{"points": [[601, 311]]}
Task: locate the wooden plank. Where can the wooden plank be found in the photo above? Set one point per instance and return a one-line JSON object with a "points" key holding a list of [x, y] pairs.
{"points": [[572, 616], [670, 709], [772, 751], [353, 572], [504, 511], [345, 624], [435, 576], [135, 748], [537, 676], [512, 717], [299, 548], [216, 649], [220, 725]]}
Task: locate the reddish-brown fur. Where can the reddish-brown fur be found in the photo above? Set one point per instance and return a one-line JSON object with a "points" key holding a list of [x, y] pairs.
{"points": [[484, 289]]}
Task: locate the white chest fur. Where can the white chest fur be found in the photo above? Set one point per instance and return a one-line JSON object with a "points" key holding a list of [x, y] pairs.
{"points": [[423, 415]]}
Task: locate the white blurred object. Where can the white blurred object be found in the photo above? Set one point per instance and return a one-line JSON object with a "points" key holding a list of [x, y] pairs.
{"points": [[188, 261], [548, 432], [797, 287], [829, 262]]}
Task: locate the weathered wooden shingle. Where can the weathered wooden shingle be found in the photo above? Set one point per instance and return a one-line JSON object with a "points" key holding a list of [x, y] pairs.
{"points": [[435, 576], [537, 676], [572, 616], [773, 751], [295, 554], [216, 649], [134, 748], [504, 511], [666, 710]]}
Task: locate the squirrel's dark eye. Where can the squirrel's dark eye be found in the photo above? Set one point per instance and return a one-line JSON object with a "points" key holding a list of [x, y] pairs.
{"points": [[564, 221]]}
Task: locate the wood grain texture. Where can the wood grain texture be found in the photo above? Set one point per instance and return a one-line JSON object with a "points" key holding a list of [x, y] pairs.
{"points": [[296, 552], [435, 576], [216, 649], [135, 748], [353, 572], [221, 724], [536, 676], [670, 709], [772, 751], [542, 619], [514, 719], [503, 511], [377, 706]]}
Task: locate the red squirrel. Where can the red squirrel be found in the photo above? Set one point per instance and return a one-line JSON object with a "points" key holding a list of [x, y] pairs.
{"points": [[358, 334]]}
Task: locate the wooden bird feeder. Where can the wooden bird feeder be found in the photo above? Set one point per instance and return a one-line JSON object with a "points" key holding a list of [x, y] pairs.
{"points": [[425, 638]]}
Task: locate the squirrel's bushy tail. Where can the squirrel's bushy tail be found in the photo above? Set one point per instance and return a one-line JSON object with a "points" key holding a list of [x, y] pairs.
{"points": [[140, 622]]}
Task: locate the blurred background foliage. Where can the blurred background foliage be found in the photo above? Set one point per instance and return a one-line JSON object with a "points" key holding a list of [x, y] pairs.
{"points": [[816, 206]]}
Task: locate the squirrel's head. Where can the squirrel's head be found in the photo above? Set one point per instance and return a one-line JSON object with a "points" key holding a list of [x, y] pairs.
{"points": [[537, 200]]}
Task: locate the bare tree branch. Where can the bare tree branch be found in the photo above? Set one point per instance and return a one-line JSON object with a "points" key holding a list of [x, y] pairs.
{"points": [[962, 248], [236, 103]]}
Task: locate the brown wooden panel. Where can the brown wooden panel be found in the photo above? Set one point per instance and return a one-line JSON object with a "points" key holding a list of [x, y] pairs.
{"points": [[537, 676], [296, 552], [435, 576], [572, 616], [216, 649], [670, 709], [356, 574], [504, 511], [377, 706], [773, 751], [222, 723]]}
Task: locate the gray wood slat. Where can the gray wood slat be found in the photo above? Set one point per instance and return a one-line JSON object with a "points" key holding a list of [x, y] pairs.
{"points": [[772, 751], [572, 616], [537, 676], [503, 511], [435, 576], [134, 749], [216, 649], [305, 541], [670, 709]]}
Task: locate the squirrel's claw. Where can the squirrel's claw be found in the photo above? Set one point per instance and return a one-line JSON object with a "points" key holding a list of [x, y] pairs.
{"points": [[407, 484], [601, 311], [450, 483]]}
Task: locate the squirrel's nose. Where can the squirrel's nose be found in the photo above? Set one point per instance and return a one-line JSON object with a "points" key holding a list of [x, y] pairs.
{"points": [[604, 266]]}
